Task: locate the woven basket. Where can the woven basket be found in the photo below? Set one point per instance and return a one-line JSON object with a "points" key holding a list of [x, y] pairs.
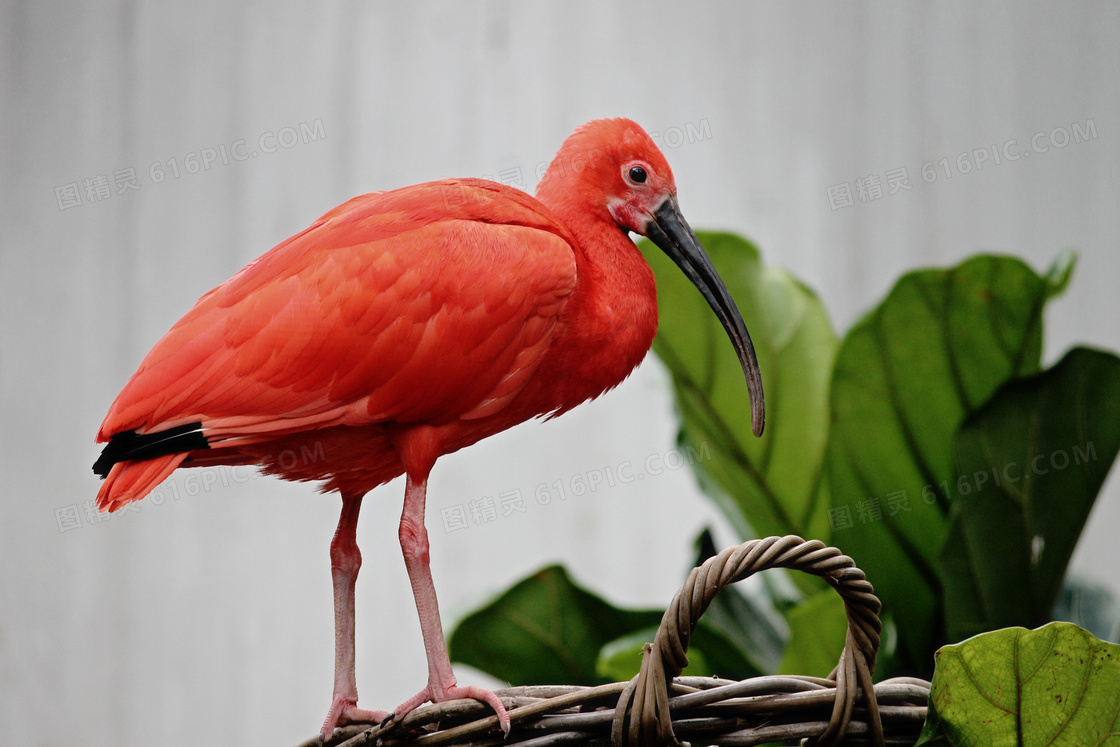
{"points": [[658, 707]]}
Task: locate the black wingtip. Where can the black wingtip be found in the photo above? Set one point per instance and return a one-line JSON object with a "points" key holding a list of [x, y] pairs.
{"points": [[133, 446]]}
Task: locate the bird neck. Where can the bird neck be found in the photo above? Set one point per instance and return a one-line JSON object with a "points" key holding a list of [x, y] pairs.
{"points": [[612, 317], [583, 211]]}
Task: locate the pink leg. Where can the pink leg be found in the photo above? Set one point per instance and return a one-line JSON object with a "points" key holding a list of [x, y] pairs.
{"points": [[441, 680], [346, 559]]}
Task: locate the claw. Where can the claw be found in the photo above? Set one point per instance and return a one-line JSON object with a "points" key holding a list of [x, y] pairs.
{"points": [[485, 696], [455, 692], [345, 711]]}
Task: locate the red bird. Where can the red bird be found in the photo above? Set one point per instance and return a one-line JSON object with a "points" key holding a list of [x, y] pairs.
{"points": [[404, 325]]}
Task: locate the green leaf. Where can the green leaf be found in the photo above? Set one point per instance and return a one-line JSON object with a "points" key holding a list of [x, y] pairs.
{"points": [[769, 485], [817, 630], [906, 377], [544, 630], [711, 651], [1057, 277], [621, 659], [1030, 464], [1057, 685]]}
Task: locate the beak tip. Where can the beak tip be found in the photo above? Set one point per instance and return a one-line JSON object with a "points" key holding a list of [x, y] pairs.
{"points": [[668, 229], [754, 390]]}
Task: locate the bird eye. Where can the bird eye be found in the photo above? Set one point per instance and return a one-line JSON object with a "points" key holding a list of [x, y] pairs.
{"points": [[638, 175]]}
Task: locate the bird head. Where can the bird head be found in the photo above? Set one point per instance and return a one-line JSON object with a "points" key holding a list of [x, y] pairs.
{"points": [[613, 165]]}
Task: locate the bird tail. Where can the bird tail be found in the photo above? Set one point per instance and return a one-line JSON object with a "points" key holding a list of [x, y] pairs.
{"points": [[130, 481], [133, 463]]}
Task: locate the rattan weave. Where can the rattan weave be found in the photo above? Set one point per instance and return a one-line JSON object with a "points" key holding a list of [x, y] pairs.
{"points": [[659, 707]]}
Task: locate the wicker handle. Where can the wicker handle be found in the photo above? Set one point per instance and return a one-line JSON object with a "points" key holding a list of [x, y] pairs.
{"points": [[645, 701]]}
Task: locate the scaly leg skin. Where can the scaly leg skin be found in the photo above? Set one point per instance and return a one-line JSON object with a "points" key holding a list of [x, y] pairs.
{"points": [[346, 559], [441, 680]]}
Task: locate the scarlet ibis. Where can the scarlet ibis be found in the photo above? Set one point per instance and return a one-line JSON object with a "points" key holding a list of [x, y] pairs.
{"points": [[407, 324]]}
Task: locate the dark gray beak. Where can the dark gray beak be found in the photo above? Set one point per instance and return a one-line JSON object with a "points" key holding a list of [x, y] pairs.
{"points": [[669, 230]]}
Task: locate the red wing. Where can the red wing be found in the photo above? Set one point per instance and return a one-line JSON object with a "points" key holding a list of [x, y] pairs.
{"points": [[402, 306]]}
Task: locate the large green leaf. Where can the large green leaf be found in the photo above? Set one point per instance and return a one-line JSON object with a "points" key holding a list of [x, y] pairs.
{"points": [[818, 627], [544, 630], [769, 485], [906, 377], [548, 630], [1057, 685], [1030, 464]]}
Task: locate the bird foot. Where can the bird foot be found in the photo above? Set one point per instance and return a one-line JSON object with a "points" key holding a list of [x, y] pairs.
{"points": [[345, 711], [452, 693]]}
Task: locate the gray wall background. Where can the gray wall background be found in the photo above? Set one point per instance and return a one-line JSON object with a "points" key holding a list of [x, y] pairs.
{"points": [[207, 616]]}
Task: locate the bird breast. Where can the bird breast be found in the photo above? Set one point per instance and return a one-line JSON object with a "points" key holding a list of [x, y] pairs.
{"points": [[608, 328]]}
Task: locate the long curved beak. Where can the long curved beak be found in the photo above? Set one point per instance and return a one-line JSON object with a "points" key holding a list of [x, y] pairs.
{"points": [[669, 230]]}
